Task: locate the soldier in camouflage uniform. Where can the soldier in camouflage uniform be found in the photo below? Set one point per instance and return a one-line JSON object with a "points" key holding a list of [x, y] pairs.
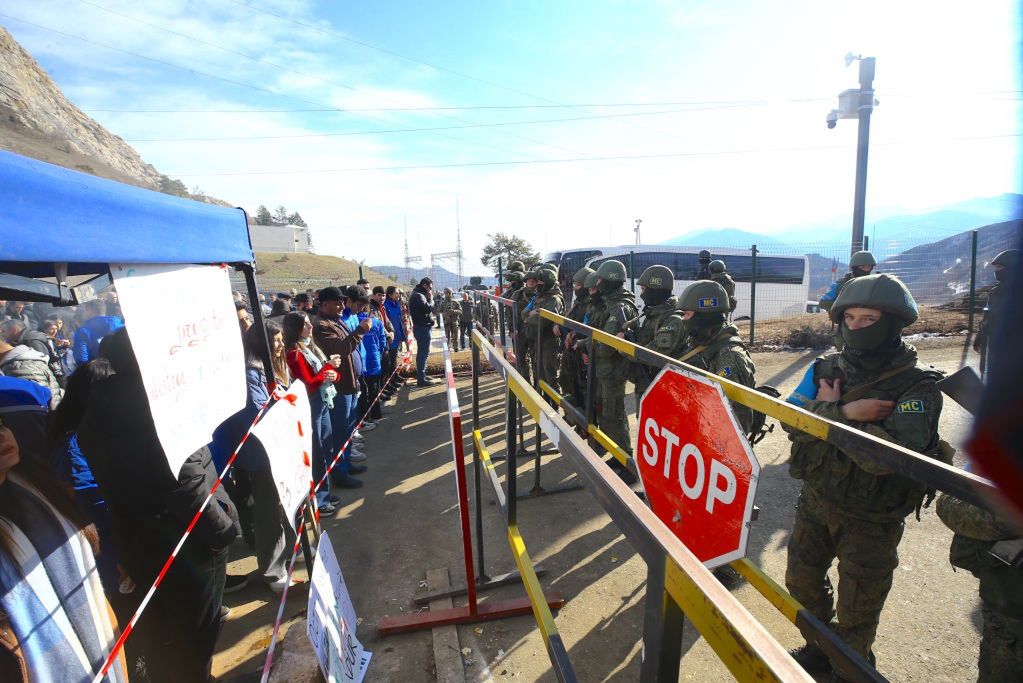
{"points": [[861, 263], [851, 508], [451, 311], [614, 307], [992, 550], [655, 286], [698, 334], [719, 274], [1004, 264], [524, 360], [515, 279], [549, 297], [573, 381]]}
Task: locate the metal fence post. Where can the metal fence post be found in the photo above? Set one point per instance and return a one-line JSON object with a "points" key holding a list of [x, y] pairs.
{"points": [[481, 568], [866, 243], [663, 622], [632, 270], [500, 309], [753, 296], [973, 277]]}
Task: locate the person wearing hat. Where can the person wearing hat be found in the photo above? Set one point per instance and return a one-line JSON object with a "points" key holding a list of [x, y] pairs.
{"points": [[861, 263], [548, 297], [525, 342], [1004, 265], [573, 379], [849, 507], [614, 305], [452, 311], [703, 259], [655, 285], [341, 344], [516, 281], [420, 310], [719, 274]]}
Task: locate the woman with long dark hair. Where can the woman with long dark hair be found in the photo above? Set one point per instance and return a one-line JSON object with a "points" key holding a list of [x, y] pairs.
{"points": [[319, 377]]}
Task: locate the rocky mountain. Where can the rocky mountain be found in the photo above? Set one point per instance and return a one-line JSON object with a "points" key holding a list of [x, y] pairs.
{"points": [[38, 121]]}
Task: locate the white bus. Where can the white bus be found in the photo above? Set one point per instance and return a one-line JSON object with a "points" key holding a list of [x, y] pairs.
{"points": [[783, 282]]}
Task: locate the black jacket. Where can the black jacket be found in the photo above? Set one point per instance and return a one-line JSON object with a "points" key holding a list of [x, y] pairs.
{"points": [[419, 307], [149, 506]]}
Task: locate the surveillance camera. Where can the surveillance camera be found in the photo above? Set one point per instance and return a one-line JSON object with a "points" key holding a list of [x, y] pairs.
{"points": [[832, 118]]}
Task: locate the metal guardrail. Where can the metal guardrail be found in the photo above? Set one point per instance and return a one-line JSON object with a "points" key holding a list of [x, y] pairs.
{"points": [[964, 485], [677, 583]]}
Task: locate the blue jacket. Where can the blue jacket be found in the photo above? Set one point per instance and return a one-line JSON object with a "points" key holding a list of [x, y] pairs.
{"points": [[351, 321], [375, 343], [229, 434], [85, 345], [393, 309]]}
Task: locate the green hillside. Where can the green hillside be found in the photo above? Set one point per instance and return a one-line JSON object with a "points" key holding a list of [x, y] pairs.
{"points": [[314, 270]]}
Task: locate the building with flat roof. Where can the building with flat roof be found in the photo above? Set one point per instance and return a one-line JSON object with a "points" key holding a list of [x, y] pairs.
{"points": [[291, 239]]}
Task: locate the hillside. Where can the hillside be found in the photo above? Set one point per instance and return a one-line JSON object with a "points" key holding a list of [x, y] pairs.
{"points": [[442, 276], [313, 269], [38, 121]]}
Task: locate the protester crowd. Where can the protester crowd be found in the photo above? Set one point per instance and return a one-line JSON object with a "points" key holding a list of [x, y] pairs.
{"points": [[90, 511]]}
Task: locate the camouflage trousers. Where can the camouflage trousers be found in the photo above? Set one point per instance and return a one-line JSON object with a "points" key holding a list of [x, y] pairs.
{"points": [[867, 554], [1001, 648], [451, 328], [550, 361], [613, 420]]}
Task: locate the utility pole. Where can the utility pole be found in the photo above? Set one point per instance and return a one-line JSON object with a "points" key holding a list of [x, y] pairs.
{"points": [[858, 104], [638, 221]]}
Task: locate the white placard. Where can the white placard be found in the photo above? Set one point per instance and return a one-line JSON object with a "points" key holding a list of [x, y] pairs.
{"points": [[184, 329], [331, 620], [287, 436]]}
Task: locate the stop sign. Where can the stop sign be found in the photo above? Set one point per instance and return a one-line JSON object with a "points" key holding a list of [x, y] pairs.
{"points": [[697, 467]]}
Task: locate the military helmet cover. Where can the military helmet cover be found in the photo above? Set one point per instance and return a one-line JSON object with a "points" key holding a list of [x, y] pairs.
{"points": [[1008, 258], [612, 271], [591, 280], [514, 276], [704, 254], [518, 266], [883, 291], [580, 275], [657, 277], [717, 266], [530, 275], [704, 296], [547, 276], [862, 258]]}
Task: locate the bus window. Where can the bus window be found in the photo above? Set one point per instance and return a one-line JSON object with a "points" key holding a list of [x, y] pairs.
{"points": [[770, 269]]}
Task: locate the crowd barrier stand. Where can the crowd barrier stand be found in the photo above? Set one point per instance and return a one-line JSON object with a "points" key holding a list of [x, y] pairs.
{"points": [[677, 583], [475, 611]]}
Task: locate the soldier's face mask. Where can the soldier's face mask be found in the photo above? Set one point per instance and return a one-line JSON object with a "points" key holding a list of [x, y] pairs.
{"points": [[654, 297], [860, 271], [872, 337]]}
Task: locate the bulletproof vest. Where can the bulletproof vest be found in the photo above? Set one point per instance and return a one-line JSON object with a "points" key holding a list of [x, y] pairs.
{"points": [[579, 306], [652, 319], [728, 284], [884, 497], [726, 337], [620, 307]]}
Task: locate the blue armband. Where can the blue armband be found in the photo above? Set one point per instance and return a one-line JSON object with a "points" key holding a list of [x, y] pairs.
{"points": [[806, 391]]}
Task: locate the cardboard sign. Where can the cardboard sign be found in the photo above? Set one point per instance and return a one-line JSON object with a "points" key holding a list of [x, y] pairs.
{"points": [[183, 327], [286, 433], [331, 620]]}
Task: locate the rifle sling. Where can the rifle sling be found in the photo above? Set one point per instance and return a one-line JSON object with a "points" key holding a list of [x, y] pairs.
{"points": [[864, 388]]}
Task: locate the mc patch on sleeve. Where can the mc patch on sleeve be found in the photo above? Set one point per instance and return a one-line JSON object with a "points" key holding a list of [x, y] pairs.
{"points": [[709, 302], [912, 406]]}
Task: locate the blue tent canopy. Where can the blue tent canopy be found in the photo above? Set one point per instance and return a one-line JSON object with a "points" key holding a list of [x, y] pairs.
{"points": [[50, 214]]}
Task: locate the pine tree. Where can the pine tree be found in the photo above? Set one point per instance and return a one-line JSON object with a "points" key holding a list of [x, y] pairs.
{"points": [[280, 216], [263, 216], [296, 219]]}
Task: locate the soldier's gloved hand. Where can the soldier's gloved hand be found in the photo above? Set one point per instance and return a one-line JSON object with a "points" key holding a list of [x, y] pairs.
{"points": [[867, 410], [556, 330]]}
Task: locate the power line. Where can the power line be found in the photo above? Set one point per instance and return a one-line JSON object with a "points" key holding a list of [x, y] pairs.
{"points": [[300, 73], [628, 157], [460, 74], [234, 82], [421, 130]]}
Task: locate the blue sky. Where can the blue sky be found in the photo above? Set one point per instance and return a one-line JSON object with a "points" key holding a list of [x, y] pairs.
{"points": [[732, 96]]}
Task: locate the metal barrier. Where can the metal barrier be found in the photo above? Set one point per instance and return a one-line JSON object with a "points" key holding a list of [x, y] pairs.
{"points": [[964, 485], [535, 602], [677, 583]]}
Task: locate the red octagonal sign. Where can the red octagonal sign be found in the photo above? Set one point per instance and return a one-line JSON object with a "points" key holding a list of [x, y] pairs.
{"points": [[698, 469]]}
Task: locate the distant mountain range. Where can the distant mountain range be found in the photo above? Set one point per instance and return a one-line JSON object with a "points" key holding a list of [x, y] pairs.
{"points": [[891, 234], [441, 276]]}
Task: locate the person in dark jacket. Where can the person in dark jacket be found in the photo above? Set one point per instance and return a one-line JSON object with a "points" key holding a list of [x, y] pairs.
{"points": [[15, 332], [420, 307], [465, 320], [96, 326], [150, 508], [340, 344]]}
